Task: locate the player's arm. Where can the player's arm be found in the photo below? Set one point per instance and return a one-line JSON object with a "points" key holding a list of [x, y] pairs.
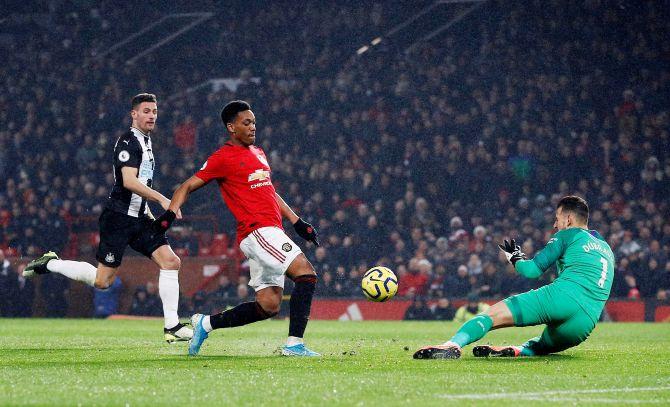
{"points": [[128, 157], [302, 228], [543, 259], [214, 168], [286, 210], [163, 222], [180, 196], [132, 183]]}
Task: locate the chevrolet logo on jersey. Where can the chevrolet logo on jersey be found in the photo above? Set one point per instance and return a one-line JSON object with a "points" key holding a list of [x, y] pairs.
{"points": [[259, 175]]}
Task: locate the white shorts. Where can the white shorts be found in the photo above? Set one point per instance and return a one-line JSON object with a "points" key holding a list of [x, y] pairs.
{"points": [[270, 252]]}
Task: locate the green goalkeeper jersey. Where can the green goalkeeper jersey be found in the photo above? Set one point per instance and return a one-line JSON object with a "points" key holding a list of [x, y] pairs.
{"points": [[585, 264]]}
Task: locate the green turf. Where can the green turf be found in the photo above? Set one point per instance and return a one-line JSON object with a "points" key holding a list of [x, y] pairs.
{"points": [[96, 362]]}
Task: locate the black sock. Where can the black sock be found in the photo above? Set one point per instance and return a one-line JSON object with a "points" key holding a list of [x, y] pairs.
{"points": [[300, 304], [243, 314]]}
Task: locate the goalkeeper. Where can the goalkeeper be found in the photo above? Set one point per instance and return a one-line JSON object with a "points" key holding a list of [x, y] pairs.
{"points": [[570, 306]]}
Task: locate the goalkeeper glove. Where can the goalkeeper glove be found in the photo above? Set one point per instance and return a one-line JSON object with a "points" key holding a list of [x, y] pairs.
{"points": [[163, 222], [306, 231], [512, 251]]}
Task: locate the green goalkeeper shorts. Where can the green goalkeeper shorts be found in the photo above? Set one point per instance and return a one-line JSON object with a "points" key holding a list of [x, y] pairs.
{"points": [[567, 323]]}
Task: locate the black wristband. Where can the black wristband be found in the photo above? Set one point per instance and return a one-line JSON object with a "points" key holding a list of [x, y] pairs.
{"points": [[166, 219]]}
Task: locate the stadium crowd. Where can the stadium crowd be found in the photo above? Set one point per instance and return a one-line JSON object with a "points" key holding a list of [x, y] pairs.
{"points": [[422, 162]]}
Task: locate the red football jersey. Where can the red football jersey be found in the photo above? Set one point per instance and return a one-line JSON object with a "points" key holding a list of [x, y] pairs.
{"points": [[243, 175]]}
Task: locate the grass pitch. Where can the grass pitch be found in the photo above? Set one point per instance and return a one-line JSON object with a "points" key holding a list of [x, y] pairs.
{"points": [[96, 362]]}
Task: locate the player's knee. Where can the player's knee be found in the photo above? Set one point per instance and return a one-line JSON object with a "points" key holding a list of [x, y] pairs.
{"points": [[272, 310], [171, 263], [501, 315], [301, 266], [102, 283], [270, 307]]}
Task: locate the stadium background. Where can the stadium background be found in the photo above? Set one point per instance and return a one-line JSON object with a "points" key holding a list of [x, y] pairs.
{"points": [[420, 154]]}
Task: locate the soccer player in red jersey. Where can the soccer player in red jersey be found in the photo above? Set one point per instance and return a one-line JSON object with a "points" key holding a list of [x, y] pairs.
{"points": [[243, 174]]}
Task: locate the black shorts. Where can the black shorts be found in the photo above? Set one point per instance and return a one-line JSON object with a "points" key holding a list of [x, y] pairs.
{"points": [[118, 230]]}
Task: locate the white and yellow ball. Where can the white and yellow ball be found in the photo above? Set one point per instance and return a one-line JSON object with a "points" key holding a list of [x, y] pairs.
{"points": [[379, 284]]}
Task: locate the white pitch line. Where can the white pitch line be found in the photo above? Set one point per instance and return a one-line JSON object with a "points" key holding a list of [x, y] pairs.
{"points": [[591, 400], [543, 394]]}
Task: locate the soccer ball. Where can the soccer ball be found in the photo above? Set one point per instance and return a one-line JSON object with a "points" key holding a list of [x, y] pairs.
{"points": [[379, 284]]}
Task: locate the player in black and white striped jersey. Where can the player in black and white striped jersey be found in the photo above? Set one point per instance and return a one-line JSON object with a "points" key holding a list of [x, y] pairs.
{"points": [[127, 221], [132, 151]]}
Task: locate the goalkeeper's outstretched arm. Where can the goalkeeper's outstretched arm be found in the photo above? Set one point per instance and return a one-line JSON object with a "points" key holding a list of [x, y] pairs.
{"points": [[543, 259], [528, 269]]}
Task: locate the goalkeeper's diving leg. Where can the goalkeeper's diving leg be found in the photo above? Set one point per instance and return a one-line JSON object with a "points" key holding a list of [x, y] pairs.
{"points": [[498, 316], [556, 337], [567, 325]]}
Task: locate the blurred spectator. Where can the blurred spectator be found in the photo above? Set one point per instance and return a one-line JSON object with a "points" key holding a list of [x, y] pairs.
{"points": [[409, 173], [9, 287], [244, 293], [54, 288], [343, 286], [490, 282], [146, 302], [443, 311], [416, 279], [326, 285], [418, 311], [185, 134], [184, 242], [512, 282], [200, 303], [106, 302], [474, 265], [436, 284], [471, 309], [224, 295], [23, 307], [632, 292], [321, 262], [629, 245], [457, 286]]}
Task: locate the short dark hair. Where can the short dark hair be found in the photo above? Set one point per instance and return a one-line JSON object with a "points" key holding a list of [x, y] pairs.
{"points": [[576, 205], [231, 110], [141, 98]]}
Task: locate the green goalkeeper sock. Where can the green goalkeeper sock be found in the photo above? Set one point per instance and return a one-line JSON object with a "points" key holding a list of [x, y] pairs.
{"points": [[473, 330]]}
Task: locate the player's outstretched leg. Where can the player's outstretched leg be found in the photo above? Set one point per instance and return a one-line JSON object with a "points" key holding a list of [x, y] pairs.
{"points": [[498, 316], [243, 314], [39, 265], [471, 331], [50, 262]]}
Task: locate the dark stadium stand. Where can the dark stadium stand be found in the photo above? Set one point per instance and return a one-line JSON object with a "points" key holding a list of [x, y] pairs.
{"points": [[420, 161]]}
